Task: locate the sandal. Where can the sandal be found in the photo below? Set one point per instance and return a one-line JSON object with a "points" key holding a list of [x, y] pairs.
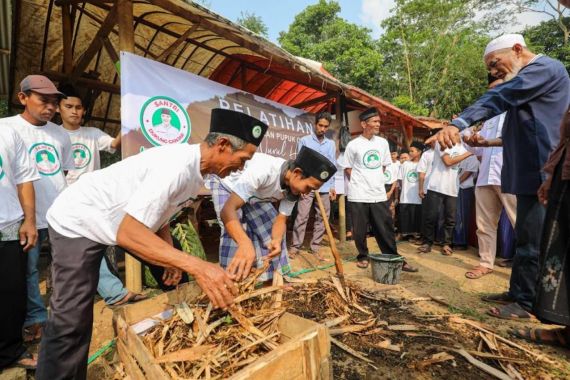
{"points": [[553, 337], [130, 298], [446, 250], [408, 268], [26, 361], [478, 272], [424, 248], [512, 311], [362, 264], [500, 298], [320, 257], [32, 333]]}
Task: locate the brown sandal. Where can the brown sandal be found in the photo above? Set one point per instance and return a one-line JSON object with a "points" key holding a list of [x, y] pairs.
{"points": [[446, 250], [424, 248], [362, 264], [478, 272]]}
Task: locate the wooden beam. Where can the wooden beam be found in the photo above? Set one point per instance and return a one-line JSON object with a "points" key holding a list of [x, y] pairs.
{"points": [[112, 53], [314, 101], [164, 56], [106, 27], [72, 2], [84, 82], [67, 30]]}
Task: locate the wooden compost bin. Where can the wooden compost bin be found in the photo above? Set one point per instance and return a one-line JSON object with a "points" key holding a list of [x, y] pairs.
{"points": [[303, 353]]}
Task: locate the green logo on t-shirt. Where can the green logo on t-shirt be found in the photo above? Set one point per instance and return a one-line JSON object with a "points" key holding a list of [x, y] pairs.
{"points": [[46, 158], [387, 176], [412, 177], [164, 121], [1, 169], [371, 159], [81, 155]]}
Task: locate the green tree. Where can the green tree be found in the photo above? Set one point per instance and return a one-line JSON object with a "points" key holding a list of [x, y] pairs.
{"points": [[254, 23], [433, 54], [346, 50], [547, 38]]}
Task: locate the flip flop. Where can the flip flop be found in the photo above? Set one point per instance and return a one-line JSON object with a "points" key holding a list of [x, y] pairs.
{"points": [[362, 264], [26, 356], [512, 311], [446, 250], [478, 272], [500, 298], [408, 268], [553, 337], [424, 248], [33, 333]]}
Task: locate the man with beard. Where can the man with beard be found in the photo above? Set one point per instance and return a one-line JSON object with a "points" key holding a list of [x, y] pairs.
{"points": [[535, 96]]}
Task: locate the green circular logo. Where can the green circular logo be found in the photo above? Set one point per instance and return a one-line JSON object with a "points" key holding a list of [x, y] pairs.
{"points": [[46, 158], [256, 131], [412, 177], [387, 176], [81, 155], [371, 159], [164, 121], [2, 174]]}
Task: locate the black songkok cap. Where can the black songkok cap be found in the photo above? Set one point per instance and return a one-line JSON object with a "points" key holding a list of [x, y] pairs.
{"points": [[417, 145], [370, 112], [238, 124], [314, 164]]}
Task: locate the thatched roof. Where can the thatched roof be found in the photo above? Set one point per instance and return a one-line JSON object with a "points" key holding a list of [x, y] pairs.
{"points": [[78, 41]]}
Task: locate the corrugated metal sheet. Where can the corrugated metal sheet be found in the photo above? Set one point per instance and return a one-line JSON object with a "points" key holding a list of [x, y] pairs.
{"points": [[5, 41]]}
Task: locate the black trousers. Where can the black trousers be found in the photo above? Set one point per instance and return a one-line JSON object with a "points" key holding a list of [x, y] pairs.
{"points": [[13, 264], [378, 216], [432, 203]]}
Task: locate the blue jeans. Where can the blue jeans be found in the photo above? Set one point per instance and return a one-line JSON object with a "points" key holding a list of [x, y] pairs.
{"points": [[110, 287], [528, 231], [36, 310]]}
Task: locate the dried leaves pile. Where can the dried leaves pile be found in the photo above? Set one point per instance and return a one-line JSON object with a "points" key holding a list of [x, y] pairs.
{"points": [[199, 342]]}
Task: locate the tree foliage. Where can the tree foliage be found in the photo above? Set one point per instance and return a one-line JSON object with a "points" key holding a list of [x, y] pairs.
{"points": [[253, 22], [346, 50], [547, 38]]}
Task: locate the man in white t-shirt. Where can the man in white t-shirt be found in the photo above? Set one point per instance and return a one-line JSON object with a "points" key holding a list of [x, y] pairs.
{"points": [[391, 183], [17, 235], [131, 204], [86, 143], [468, 169], [410, 210], [443, 188], [50, 150], [367, 156], [253, 230]]}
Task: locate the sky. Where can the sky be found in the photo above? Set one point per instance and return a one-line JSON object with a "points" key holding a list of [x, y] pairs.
{"points": [[277, 15]]}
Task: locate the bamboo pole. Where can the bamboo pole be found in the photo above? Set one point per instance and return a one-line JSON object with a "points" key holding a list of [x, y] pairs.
{"points": [[127, 43]]}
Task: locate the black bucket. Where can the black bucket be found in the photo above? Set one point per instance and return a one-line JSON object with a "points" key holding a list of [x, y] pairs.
{"points": [[386, 269]]}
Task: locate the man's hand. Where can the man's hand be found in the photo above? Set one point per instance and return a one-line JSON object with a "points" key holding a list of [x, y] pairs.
{"points": [[389, 194], [28, 234], [447, 137], [476, 140], [543, 191], [216, 283], [274, 247], [171, 276], [332, 194], [242, 262], [421, 194]]}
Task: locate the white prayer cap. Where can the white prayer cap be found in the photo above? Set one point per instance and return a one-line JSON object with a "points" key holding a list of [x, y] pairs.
{"points": [[504, 42]]}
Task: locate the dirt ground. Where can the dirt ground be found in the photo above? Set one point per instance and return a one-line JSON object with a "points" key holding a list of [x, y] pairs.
{"points": [[439, 276]]}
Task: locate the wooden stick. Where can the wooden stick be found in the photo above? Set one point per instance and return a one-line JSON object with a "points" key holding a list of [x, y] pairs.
{"points": [[482, 366], [354, 353], [496, 357]]}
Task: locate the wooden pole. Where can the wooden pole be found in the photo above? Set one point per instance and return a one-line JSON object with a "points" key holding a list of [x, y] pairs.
{"points": [[67, 31], [336, 255], [127, 43]]}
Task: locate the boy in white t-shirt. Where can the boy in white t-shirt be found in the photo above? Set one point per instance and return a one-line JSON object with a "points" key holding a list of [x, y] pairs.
{"points": [[443, 188], [391, 178], [468, 169], [410, 211], [50, 150]]}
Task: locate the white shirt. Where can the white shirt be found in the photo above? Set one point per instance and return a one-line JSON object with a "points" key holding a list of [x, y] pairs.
{"points": [[16, 167], [391, 172], [491, 157], [443, 178], [367, 158], [151, 186], [470, 164], [410, 178], [50, 149], [260, 181], [425, 166], [86, 142]]}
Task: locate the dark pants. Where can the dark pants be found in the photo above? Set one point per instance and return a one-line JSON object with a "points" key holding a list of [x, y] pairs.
{"points": [[432, 203], [13, 264], [377, 215], [67, 334], [528, 229], [465, 203]]}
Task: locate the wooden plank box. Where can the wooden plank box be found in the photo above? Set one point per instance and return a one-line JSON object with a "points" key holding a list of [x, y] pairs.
{"points": [[303, 353]]}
